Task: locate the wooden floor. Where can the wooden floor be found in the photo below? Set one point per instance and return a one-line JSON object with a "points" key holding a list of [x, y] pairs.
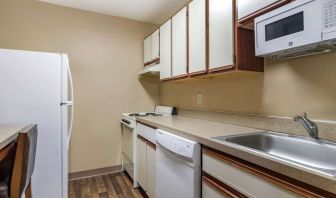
{"points": [[105, 186]]}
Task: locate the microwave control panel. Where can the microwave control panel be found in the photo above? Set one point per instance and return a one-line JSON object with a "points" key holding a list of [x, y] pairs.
{"points": [[329, 14]]}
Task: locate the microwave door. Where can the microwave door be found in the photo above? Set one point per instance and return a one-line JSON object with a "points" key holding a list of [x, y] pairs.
{"points": [[284, 29]]}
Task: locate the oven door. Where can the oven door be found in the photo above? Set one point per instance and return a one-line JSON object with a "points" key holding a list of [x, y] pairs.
{"points": [[296, 24], [127, 149]]}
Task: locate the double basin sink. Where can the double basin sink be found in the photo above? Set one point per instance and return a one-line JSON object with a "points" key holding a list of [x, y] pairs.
{"points": [[313, 155]]}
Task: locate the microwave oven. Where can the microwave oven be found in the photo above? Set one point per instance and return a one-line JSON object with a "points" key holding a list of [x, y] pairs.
{"points": [[300, 28]]}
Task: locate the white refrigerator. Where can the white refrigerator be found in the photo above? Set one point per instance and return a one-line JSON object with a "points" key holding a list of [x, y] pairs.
{"points": [[36, 88]]}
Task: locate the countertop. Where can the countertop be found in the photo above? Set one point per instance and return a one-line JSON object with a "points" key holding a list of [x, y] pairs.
{"points": [[9, 133], [202, 131]]}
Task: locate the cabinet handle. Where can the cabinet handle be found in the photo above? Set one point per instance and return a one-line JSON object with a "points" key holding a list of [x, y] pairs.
{"points": [[141, 138], [221, 187]]}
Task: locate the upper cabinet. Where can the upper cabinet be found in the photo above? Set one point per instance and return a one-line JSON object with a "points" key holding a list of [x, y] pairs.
{"points": [[155, 46], [165, 51], [152, 48], [179, 44], [210, 37], [221, 37], [197, 37], [249, 9], [147, 50]]}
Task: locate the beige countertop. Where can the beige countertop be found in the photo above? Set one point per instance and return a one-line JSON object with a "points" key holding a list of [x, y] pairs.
{"points": [[9, 133], [202, 132]]}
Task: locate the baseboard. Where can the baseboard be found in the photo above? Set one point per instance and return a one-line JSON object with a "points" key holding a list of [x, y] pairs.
{"points": [[94, 172]]}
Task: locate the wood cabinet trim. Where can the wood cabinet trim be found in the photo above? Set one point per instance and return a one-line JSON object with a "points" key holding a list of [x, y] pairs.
{"points": [[278, 179], [141, 138], [147, 63], [187, 55], [165, 79], [6, 150], [155, 60], [197, 73], [207, 38], [152, 145], [222, 69], [179, 76], [149, 143], [249, 18], [221, 187]]}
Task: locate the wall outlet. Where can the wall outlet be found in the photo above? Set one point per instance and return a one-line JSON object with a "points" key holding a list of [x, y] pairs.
{"points": [[199, 99]]}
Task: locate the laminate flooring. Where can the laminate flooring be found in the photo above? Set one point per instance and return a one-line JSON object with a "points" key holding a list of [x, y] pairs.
{"points": [[114, 185]]}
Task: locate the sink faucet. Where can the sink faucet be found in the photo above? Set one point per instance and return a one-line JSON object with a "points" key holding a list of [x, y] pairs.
{"points": [[309, 125]]}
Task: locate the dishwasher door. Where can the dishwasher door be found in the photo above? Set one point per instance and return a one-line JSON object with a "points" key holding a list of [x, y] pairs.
{"points": [[178, 170]]}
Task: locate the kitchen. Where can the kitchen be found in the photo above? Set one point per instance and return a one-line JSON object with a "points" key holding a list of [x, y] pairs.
{"points": [[226, 89]]}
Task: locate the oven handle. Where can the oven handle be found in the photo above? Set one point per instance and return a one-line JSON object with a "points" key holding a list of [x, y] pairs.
{"points": [[126, 125]]}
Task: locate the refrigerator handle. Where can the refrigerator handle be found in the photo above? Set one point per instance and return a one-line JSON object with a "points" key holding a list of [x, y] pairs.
{"points": [[70, 103]]}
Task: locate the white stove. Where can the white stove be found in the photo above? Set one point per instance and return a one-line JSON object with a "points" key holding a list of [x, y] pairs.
{"points": [[129, 136]]}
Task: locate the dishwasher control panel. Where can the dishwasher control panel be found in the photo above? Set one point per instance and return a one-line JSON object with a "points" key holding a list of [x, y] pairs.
{"points": [[176, 144]]}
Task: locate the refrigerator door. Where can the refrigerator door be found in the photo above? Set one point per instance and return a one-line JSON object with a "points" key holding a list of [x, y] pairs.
{"points": [[30, 84]]}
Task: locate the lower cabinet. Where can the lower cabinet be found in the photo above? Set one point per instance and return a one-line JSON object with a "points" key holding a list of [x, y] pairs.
{"points": [[224, 175], [141, 162], [146, 165], [150, 150]]}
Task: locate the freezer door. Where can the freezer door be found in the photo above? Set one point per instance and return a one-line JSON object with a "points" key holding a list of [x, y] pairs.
{"points": [[30, 84]]}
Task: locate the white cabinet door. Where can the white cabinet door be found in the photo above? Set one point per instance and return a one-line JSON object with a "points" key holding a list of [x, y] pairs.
{"points": [[155, 45], [220, 34], [142, 163], [247, 7], [242, 181], [197, 36], [165, 51], [179, 36], [151, 171], [147, 50]]}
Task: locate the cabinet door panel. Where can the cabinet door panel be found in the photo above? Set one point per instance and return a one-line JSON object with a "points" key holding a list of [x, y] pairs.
{"points": [[197, 36], [242, 181], [247, 7], [179, 36], [141, 163], [221, 40], [151, 172], [155, 45], [147, 50], [165, 50]]}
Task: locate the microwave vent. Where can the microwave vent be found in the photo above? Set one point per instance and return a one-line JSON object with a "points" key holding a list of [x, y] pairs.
{"points": [[303, 51]]}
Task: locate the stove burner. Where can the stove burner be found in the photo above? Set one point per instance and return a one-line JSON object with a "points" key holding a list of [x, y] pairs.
{"points": [[145, 114]]}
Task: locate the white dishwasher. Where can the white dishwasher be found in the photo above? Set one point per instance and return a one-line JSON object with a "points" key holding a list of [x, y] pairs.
{"points": [[178, 166]]}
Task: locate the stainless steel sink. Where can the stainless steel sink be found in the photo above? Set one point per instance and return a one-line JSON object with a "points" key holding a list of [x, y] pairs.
{"points": [[316, 156]]}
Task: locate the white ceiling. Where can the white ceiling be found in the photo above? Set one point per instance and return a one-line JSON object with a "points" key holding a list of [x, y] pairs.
{"points": [[152, 11]]}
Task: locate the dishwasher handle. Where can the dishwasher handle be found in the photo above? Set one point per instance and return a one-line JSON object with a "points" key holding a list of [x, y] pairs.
{"points": [[182, 157]]}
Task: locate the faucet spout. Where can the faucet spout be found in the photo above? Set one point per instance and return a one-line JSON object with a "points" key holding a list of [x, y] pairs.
{"points": [[309, 125]]}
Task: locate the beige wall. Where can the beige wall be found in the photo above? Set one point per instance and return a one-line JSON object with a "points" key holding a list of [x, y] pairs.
{"points": [[285, 88], [105, 54]]}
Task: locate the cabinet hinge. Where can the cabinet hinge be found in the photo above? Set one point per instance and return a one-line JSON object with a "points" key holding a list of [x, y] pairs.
{"points": [[234, 59]]}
